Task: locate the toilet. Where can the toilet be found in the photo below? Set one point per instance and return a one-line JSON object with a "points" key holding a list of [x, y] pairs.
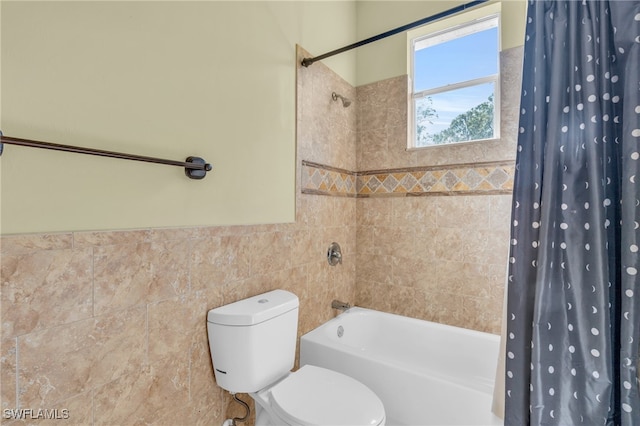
{"points": [[253, 344]]}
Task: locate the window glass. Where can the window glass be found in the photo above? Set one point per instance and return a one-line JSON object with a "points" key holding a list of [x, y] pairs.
{"points": [[461, 59], [456, 115], [455, 84]]}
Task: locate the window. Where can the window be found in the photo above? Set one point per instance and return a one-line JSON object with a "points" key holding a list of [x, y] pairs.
{"points": [[455, 75]]}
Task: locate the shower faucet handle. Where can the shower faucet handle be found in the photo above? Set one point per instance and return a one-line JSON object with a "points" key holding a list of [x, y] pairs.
{"points": [[334, 254]]}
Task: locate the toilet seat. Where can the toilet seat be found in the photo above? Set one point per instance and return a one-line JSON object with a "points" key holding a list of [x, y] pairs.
{"points": [[318, 396]]}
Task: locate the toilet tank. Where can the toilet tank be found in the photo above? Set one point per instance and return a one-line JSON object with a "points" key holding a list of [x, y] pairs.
{"points": [[253, 341]]}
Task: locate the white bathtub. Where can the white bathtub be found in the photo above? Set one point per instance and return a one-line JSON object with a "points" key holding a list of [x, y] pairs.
{"points": [[425, 373]]}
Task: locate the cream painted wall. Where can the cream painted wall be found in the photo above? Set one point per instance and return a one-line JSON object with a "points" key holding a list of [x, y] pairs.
{"points": [[165, 79], [388, 58]]}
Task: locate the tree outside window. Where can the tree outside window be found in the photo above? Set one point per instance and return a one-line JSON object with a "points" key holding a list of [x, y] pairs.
{"points": [[455, 84]]}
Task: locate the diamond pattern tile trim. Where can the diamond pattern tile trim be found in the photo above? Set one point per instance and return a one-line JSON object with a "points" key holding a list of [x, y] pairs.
{"points": [[326, 180], [455, 179]]}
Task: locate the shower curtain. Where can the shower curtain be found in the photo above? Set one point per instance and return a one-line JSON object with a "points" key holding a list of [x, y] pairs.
{"points": [[573, 299]]}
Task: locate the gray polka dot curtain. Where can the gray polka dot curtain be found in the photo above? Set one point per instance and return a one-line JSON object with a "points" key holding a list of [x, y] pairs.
{"points": [[573, 308]]}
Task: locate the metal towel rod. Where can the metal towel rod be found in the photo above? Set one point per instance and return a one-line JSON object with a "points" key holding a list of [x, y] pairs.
{"points": [[194, 167], [309, 61]]}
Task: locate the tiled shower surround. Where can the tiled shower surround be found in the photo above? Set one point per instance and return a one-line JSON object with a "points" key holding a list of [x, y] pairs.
{"points": [[111, 325]]}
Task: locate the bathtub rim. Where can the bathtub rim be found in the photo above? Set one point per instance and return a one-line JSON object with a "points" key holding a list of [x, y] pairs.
{"points": [[360, 310], [478, 383]]}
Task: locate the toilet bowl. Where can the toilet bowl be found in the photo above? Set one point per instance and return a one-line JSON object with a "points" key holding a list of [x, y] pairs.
{"points": [[318, 396], [252, 344]]}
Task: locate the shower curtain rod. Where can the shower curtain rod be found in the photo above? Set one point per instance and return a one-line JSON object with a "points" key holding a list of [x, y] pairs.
{"points": [[194, 167], [308, 61]]}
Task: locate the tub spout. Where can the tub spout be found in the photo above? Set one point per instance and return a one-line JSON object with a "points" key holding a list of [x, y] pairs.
{"points": [[336, 304]]}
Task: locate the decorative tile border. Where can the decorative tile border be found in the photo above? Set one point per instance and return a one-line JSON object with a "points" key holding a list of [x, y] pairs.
{"points": [[327, 180], [457, 179]]}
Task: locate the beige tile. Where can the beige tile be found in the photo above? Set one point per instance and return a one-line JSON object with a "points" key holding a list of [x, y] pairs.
{"points": [[267, 250], [344, 211], [448, 242], [450, 212], [425, 245], [204, 394], [402, 301], [314, 211], [414, 211], [169, 269], [63, 361], [163, 234], [218, 260], [233, 291], [8, 378], [500, 206], [293, 280], [45, 288], [393, 241], [511, 79], [376, 268], [365, 240], [373, 211], [19, 244], [372, 149], [414, 272], [432, 156], [482, 313], [301, 247], [110, 238], [398, 155], [468, 212], [364, 294], [448, 278], [138, 398], [371, 114], [497, 279], [315, 307], [172, 327], [444, 308], [78, 408], [486, 246], [476, 280], [123, 276], [379, 294]]}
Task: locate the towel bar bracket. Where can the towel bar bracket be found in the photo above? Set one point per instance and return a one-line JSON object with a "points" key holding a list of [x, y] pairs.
{"points": [[197, 173]]}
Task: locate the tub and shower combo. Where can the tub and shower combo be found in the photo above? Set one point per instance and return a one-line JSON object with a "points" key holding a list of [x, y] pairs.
{"points": [[425, 373]]}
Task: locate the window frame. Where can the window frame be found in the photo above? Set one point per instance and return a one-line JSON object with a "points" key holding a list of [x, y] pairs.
{"points": [[492, 78]]}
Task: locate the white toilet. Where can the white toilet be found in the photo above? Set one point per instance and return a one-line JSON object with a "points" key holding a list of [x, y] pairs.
{"points": [[253, 343]]}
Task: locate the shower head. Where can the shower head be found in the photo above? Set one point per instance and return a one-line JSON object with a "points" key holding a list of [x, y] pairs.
{"points": [[345, 101]]}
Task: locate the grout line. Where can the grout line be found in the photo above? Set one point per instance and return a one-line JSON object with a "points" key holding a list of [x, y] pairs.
{"points": [[93, 282], [17, 375]]}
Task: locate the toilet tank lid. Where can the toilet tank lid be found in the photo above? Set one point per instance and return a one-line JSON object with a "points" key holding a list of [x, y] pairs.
{"points": [[254, 310]]}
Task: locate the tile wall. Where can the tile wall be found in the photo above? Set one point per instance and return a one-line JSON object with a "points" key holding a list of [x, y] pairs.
{"points": [[433, 223]]}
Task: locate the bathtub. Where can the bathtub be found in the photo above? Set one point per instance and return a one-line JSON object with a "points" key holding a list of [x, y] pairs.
{"points": [[425, 373]]}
